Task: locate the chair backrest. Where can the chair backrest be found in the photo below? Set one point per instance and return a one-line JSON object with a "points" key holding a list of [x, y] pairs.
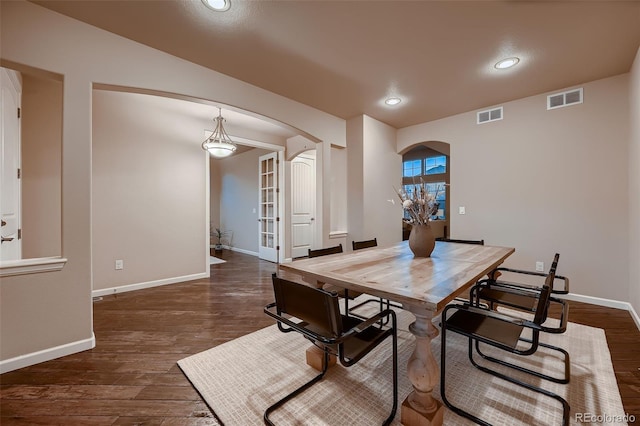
{"points": [[325, 251], [451, 240], [357, 245], [316, 307], [544, 300]]}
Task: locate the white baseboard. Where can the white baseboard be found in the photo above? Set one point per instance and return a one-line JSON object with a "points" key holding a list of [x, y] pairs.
{"points": [[634, 315], [47, 354], [239, 250], [148, 284], [604, 302]]}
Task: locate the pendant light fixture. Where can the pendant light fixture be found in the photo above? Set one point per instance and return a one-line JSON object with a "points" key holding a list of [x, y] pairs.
{"points": [[219, 144]]}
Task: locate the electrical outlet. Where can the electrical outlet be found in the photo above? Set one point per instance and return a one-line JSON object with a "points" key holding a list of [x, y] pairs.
{"points": [[540, 266], [119, 264]]}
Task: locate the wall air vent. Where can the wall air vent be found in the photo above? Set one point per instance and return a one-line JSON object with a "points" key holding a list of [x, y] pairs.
{"points": [[559, 100], [490, 115]]}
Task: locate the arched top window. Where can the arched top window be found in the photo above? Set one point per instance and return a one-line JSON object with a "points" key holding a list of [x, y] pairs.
{"points": [[426, 165]]}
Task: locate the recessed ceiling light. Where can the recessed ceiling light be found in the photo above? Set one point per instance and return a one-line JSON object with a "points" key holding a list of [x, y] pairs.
{"points": [[507, 63], [393, 101], [217, 5]]}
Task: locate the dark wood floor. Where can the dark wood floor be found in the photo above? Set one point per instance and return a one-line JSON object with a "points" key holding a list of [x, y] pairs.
{"points": [[131, 377]]}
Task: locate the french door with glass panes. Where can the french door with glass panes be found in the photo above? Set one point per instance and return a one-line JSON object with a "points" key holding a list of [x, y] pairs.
{"points": [[269, 201]]}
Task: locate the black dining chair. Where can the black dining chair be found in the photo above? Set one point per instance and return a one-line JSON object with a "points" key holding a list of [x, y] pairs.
{"points": [[527, 298], [325, 251], [455, 240], [504, 332], [360, 245], [460, 241], [315, 314], [342, 292], [496, 291]]}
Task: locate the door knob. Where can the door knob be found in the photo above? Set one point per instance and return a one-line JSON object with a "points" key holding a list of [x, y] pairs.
{"points": [[6, 239], [4, 223]]}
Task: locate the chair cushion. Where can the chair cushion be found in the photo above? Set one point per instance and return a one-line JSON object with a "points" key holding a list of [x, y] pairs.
{"points": [[495, 330], [363, 342], [514, 299]]}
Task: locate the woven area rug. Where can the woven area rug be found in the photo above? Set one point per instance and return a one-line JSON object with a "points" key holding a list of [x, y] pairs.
{"points": [[239, 379]]}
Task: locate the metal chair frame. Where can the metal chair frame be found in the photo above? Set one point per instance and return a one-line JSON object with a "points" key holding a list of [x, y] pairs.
{"points": [[327, 332]]}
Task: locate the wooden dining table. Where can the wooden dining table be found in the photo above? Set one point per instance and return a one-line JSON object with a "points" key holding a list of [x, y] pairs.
{"points": [[423, 286]]}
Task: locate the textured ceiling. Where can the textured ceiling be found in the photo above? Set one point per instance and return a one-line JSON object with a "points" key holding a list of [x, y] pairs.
{"points": [[346, 57]]}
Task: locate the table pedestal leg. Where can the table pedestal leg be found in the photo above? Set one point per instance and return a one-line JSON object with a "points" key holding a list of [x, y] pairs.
{"points": [[420, 407]]}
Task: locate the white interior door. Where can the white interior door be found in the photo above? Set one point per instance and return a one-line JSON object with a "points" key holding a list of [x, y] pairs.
{"points": [[303, 204], [10, 247], [268, 229]]}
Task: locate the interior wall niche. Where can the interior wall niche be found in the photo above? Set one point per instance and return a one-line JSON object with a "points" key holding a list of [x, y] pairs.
{"points": [[40, 135]]}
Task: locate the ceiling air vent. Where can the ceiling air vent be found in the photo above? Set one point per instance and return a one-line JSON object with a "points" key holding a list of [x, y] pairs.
{"points": [[490, 115], [559, 100]]}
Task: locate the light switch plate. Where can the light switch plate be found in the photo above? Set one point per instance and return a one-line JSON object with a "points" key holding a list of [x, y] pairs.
{"points": [[462, 210]]}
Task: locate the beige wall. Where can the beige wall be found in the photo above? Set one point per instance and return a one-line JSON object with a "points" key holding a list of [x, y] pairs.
{"points": [[41, 123], [149, 192], [546, 181], [239, 198], [382, 172], [634, 185], [55, 309], [374, 169]]}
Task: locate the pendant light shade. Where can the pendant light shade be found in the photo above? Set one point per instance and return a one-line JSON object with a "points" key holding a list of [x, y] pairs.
{"points": [[219, 144]]}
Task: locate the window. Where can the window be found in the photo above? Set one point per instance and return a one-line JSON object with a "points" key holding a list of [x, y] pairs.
{"points": [[412, 168], [435, 165], [439, 190], [432, 170]]}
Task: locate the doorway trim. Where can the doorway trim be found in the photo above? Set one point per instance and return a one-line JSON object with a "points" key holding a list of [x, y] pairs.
{"points": [[304, 157]]}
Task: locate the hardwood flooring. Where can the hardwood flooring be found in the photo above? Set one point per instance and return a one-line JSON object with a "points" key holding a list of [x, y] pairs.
{"points": [[131, 376]]}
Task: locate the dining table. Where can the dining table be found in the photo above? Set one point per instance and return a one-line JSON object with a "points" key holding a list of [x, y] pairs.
{"points": [[422, 285]]}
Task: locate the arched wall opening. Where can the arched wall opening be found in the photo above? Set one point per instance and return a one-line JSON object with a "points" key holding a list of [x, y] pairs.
{"points": [[429, 162], [146, 134]]}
